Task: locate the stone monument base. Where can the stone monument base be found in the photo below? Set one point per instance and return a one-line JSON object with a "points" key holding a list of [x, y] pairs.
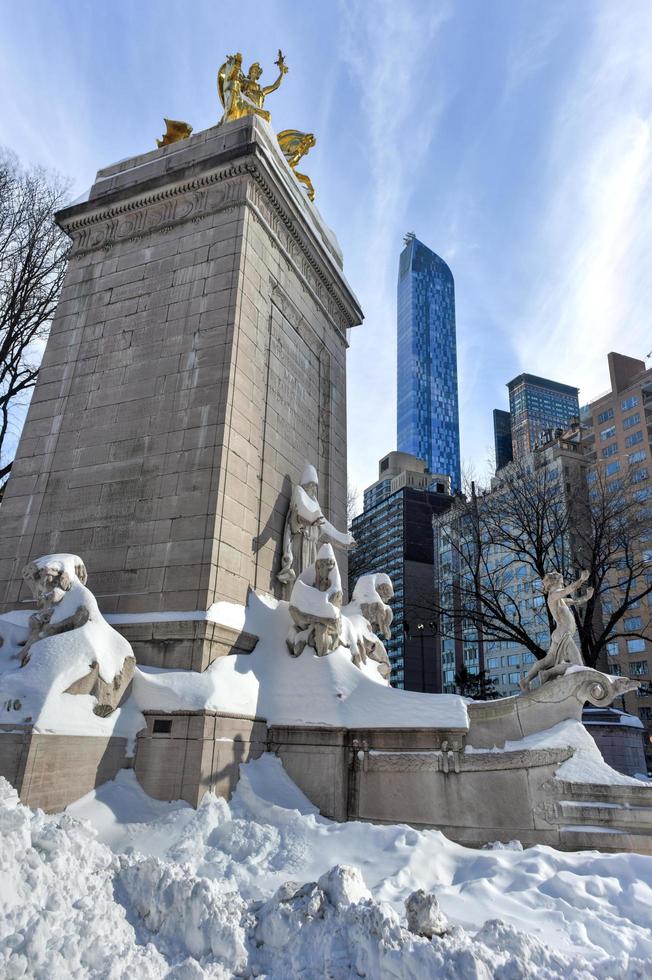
{"points": [[50, 771], [184, 754]]}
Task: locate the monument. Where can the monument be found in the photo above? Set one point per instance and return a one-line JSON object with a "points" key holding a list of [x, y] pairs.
{"points": [[173, 533], [196, 363]]}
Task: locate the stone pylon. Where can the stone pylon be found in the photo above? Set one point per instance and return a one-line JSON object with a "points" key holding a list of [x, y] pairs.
{"points": [[196, 363]]}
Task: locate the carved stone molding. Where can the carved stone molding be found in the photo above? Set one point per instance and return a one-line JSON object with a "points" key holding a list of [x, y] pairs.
{"points": [[189, 200]]}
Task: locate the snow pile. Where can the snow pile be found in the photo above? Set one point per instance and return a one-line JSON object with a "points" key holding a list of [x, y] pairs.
{"points": [[586, 765], [35, 694], [184, 911], [265, 886], [252, 889], [307, 690]]}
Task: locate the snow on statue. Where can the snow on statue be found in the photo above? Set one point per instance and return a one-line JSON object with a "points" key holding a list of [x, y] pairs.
{"points": [[66, 640], [372, 593], [305, 528], [320, 622], [315, 606]]}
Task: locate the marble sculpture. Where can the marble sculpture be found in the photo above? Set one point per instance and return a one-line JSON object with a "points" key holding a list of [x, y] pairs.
{"points": [[563, 652], [305, 528]]}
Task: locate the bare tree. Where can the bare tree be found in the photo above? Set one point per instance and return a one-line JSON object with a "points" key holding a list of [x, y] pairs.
{"points": [[496, 546], [33, 253], [352, 505]]}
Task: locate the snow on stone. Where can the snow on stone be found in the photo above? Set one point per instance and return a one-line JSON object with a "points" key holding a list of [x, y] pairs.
{"points": [[306, 690], [225, 613], [586, 765], [264, 886], [35, 694]]}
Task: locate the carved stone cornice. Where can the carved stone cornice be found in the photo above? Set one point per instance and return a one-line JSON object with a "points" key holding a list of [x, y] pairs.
{"points": [[245, 183]]}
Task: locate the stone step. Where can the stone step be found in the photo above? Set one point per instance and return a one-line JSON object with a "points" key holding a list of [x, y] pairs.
{"points": [[615, 816], [625, 795], [574, 838]]}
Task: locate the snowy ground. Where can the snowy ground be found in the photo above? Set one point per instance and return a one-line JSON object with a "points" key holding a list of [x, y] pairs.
{"points": [[160, 890]]}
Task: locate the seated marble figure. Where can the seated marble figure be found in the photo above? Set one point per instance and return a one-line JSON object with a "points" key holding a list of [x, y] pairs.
{"points": [[315, 606]]}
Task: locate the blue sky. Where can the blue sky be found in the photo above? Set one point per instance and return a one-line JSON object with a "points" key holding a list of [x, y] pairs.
{"points": [[513, 136]]}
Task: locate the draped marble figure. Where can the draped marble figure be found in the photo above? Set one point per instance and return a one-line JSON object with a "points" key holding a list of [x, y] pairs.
{"points": [[305, 528], [563, 652]]}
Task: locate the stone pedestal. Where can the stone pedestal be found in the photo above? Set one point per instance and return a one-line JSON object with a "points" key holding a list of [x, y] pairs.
{"points": [[196, 363], [183, 754]]}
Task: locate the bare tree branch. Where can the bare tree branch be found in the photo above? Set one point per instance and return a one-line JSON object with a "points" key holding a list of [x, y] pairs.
{"points": [[496, 546], [33, 253]]}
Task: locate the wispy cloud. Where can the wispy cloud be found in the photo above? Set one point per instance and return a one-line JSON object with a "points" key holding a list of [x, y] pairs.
{"points": [[389, 51], [593, 292]]}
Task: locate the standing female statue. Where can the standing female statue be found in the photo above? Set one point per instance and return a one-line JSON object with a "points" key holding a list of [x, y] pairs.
{"points": [[305, 527], [563, 652]]}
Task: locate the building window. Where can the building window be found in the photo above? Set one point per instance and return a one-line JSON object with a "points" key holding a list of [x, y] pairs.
{"points": [[612, 649], [514, 678], [610, 450], [615, 670], [645, 713], [605, 416], [631, 420], [637, 645], [637, 457], [639, 475], [608, 433], [612, 467], [514, 661], [633, 624], [628, 403], [638, 668], [634, 439]]}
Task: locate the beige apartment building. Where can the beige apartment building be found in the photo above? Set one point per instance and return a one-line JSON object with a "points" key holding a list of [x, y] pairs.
{"points": [[617, 430]]}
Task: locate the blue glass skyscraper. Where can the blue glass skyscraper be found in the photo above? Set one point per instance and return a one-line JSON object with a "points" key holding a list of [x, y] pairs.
{"points": [[427, 409]]}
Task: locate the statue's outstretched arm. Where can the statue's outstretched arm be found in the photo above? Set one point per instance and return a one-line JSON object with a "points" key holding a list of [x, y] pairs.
{"points": [[282, 70], [582, 600], [567, 590]]}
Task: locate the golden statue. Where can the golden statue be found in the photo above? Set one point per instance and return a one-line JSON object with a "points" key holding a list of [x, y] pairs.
{"points": [[294, 146], [175, 130], [242, 95]]}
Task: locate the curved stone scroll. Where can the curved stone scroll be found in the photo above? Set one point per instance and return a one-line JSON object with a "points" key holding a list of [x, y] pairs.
{"points": [[492, 723]]}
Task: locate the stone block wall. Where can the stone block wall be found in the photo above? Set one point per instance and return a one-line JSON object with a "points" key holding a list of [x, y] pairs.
{"points": [[51, 771], [184, 644], [183, 754], [195, 364]]}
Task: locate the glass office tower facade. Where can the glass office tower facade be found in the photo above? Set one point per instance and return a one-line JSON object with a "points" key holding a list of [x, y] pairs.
{"points": [[537, 405], [427, 405], [502, 437], [394, 535]]}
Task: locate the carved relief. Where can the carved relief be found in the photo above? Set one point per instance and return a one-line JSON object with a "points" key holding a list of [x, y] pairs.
{"points": [[193, 199]]}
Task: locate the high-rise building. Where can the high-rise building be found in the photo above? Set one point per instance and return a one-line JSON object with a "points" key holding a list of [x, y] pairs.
{"points": [[617, 429], [505, 661], [537, 405], [502, 438], [427, 405], [394, 535]]}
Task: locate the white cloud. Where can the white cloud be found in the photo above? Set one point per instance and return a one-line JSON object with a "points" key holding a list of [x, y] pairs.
{"points": [[388, 48], [593, 292]]}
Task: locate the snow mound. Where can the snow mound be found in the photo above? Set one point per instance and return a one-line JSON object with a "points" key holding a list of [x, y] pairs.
{"points": [[35, 694], [264, 885], [306, 690]]}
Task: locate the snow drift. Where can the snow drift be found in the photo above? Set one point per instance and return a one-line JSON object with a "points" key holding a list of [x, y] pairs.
{"points": [[264, 886]]}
